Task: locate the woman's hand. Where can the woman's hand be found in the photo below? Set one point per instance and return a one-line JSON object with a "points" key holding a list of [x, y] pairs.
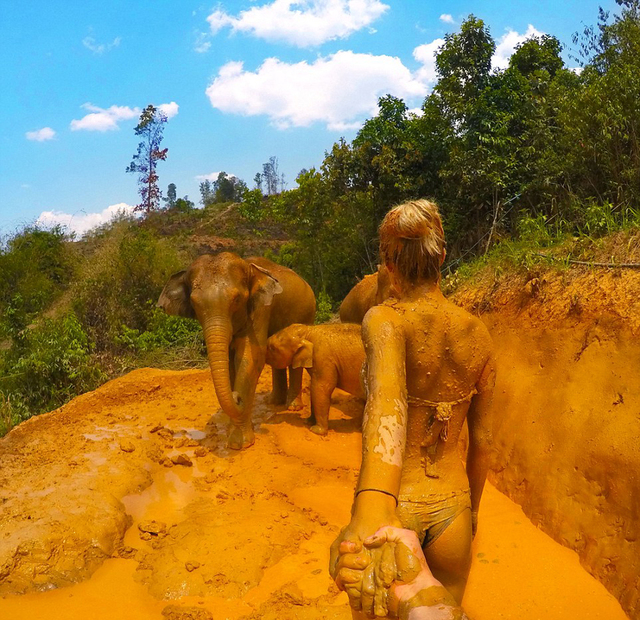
{"points": [[365, 575]]}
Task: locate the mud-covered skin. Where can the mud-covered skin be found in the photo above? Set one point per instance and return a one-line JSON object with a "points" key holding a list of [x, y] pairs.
{"points": [[422, 344], [239, 304], [333, 355], [408, 590], [372, 290]]}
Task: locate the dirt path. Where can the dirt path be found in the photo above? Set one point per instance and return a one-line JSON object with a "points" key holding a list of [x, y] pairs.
{"points": [[91, 493]]}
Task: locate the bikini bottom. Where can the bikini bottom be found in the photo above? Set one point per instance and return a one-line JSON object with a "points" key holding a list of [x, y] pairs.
{"points": [[429, 517]]}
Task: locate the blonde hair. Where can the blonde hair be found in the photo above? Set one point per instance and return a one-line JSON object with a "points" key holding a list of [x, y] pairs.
{"points": [[412, 239]]}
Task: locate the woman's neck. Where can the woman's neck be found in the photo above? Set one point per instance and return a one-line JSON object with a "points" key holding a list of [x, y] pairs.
{"points": [[408, 291]]}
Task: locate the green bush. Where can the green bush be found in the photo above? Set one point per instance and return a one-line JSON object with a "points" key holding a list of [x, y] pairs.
{"points": [[36, 265], [54, 364], [164, 331], [324, 307], [121, 282]]}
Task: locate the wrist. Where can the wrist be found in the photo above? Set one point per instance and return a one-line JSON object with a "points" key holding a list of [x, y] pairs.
{"points": [[372, 506]]}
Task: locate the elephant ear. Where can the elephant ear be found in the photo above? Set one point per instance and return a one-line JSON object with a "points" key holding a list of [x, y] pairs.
{"points": [[303, 357], [265, 286], [175, 297]]}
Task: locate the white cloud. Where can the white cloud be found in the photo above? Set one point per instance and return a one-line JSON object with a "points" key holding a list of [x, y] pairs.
{"points": [[100, 48], [82, 222], [304, 23], [169, 109], [213, 176], [101, 119], [447, 19], [426, 55], [107, 119], [507, 44], [202, 43], [339, 90], [41, 135]]}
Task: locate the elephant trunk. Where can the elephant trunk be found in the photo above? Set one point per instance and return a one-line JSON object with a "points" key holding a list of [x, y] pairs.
{"points": [[217, 335]]}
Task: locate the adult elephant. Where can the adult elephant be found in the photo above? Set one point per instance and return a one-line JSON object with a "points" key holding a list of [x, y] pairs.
{"points": [[239, 304], [372, 290]]}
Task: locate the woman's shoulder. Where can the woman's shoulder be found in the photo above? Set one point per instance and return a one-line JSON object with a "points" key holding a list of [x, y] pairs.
{"points": [[470, 324], [382, 316]]}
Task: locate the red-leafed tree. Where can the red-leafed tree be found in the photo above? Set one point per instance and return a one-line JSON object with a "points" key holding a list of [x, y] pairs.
{"points": [[146, 159]]}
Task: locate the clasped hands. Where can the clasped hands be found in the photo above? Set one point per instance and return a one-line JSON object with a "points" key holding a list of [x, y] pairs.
{"points": [[382, 573]]}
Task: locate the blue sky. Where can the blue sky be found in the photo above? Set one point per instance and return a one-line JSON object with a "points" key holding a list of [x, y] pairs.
{"points": [[240, 80]]}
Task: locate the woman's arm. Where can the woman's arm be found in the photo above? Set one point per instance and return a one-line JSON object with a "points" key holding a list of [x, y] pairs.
{"points": [[480, 436], [384, 429], [384, 425]]}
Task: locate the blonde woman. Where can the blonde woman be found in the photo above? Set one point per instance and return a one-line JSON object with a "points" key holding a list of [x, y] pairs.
{"points": [[429, 366]]}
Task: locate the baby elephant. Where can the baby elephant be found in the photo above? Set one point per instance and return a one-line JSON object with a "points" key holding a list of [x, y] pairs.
{"points": [[333, 355]]}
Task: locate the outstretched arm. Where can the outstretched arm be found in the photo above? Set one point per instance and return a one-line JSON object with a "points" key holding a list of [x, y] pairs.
{"points": [[480, 436], [384, 425], [383, 438]]}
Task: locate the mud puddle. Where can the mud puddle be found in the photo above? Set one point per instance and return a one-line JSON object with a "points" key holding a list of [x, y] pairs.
{"points": [[247, 534]]}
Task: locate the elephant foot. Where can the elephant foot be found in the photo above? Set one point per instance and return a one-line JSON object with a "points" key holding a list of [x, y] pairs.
{"points": [[241, 437], [295, 405], [319, 430]]}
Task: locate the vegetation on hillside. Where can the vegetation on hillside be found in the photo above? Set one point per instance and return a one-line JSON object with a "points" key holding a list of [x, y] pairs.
{"points": [[522, 159], [492, 147]]}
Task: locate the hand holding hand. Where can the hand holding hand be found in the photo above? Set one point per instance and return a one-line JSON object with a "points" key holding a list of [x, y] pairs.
{"points": [[414, 590]]}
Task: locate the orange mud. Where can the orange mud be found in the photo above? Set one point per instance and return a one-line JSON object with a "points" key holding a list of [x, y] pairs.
{"points": [[89, 494], [566, 420]]}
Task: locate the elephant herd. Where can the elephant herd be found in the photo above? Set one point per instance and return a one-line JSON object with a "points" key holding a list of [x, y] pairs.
{"points": [[254, 311]]}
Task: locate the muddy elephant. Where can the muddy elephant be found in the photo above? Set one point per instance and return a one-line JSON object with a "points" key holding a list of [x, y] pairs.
{"points": [[239, 303], [333, 355], [372, 290]]}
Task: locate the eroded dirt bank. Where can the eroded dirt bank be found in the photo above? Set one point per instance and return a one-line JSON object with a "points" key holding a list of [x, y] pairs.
{"points": [[567, 411], [130, 491]]}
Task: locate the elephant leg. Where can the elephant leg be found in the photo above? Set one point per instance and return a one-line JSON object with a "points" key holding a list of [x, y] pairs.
{"points": [[249, 361], [279, 390], [322, 386], [294, 395]]}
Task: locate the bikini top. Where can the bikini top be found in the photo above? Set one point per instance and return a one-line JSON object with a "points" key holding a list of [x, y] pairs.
{"points": [[444, 410]]}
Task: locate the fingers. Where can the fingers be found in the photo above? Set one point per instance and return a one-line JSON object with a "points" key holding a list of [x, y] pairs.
{"points": [[347, 576], [389, 533], [350, 546], [380, 602], [367, 593], [340, 547], [386, 569], [356, 561], [353, 592]]}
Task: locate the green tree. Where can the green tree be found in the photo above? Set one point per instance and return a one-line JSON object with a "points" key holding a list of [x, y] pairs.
{"points": [[207, 193], [228, 188], [146, 158], [170, 200]]}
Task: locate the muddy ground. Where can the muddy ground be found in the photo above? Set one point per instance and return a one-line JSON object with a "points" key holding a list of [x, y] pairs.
{"points": [[125, 503]]}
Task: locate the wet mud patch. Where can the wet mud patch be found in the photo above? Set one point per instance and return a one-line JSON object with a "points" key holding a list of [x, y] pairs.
{"points": [[201, 529]]}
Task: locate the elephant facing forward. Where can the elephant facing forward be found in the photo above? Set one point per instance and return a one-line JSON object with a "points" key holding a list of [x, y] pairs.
{"points": [[239, 304]]}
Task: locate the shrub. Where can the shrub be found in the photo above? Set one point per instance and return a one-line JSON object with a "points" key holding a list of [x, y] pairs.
{"points": [[121, 282], [324, 308], [35, 266], [54, 364]]}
